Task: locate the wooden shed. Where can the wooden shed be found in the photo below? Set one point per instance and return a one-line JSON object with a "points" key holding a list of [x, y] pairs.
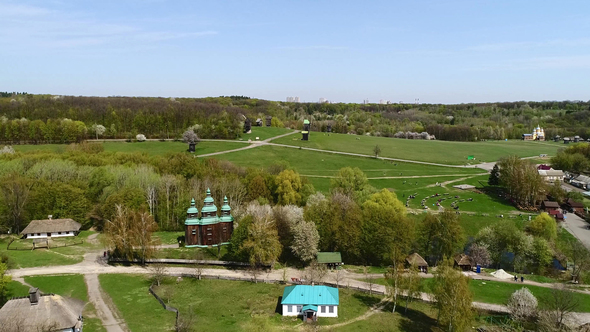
{"points": [[463, 262], [549, 206], [331, 259], [416, 260], [574, 206]]}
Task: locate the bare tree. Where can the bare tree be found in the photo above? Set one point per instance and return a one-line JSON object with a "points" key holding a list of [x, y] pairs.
{"points": [[185, 321], [315, 272], [338, 276], [254, 271], [158, 272], [198, 268], [144, 226], [369, 281], [560, 304]]}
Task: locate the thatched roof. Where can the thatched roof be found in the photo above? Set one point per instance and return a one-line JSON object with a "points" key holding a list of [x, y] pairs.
{"points": [[52, 312], [51, 226], [415, 259], [462, 259]]}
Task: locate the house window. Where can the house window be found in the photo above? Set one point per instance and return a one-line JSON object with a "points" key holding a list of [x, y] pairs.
{"points": [[68, 232], [323, 309], [331, 309], [59, 233], [38, 234], [194, 232], [299, 307], [290, 308]]}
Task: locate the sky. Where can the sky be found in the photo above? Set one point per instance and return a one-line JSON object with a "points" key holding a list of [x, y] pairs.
{"points": [[437, 51]]}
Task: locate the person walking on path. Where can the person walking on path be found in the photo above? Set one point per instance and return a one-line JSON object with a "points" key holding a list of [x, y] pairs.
{"points": [[521, 279]]}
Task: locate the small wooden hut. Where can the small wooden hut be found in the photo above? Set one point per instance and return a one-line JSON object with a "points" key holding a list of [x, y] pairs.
{"points": [[330, 259], [463, 262], [549, 206], [268, 120], [416, 260]]}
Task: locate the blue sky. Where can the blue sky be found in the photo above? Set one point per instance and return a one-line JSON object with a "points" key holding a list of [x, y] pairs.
{"points": [[345, 51]]}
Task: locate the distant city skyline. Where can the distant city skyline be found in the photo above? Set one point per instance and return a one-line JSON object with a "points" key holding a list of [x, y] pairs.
{"points": [[425, 51]]}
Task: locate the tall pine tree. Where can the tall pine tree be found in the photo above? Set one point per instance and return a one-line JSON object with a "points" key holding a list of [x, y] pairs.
{"points": [[494, 179]]}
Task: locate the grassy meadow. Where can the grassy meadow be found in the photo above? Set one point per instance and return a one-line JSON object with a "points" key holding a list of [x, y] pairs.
{"points": [[264, 133], [444, 152]]}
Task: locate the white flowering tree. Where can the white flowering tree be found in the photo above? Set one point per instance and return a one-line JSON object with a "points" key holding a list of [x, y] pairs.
{"points": [[522, 305], [140, 137], [98, 129]]}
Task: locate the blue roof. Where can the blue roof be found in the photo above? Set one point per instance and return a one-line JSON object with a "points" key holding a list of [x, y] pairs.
{"points": [[310, 307], [314, 295]]}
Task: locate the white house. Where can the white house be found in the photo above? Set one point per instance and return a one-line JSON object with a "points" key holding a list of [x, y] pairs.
{"points": [[40, 229], [310, 302], [551, 175]]}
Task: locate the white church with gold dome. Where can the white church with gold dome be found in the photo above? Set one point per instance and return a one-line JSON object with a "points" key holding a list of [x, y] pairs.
{"points": [[537, 135]]}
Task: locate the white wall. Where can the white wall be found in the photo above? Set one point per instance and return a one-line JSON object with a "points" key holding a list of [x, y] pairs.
{"points": [[44, 235], [319, 314]]}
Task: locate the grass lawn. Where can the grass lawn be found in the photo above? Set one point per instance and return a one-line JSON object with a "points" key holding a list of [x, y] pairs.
{"points": [[265, 132], [71, 285], [152, 148], [16, 289], [190, 253], [168, 237], [320, 163], [141, 311], [445, 152], [240, 306]]}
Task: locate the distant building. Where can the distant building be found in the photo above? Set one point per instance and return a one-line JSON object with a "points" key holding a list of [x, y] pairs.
{"points": [[550, 206], [259, 122], [323, 100], [47, 228], [581, 181], [416, 260], [247, 126], [573, 206], [297, 100], [310, 302], [463, 262], [551, 175], [293, 99], [42, 312], [268, 120], [331, 259], [209, 229], [537, 135]]}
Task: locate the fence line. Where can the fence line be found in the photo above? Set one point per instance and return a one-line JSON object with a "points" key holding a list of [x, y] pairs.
{"points": [[167, 307], [181, 261]]}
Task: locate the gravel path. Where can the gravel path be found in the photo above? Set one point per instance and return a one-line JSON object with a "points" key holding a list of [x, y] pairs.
{"points": [[103, 311]]}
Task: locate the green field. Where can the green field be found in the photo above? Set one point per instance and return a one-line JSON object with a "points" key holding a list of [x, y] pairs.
{"points": [[264, 132], [140, 310], [444, 152], [319, 163], [73, 286], [152, 148]]}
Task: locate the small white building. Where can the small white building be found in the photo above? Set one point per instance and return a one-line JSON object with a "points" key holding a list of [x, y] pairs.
{"points": [[552, 175], [41, 229], [310, 302]]}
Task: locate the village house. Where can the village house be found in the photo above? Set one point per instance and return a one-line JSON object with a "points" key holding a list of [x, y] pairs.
{"points": [[581, 181], [551, 175], [549, 206], [208, 229], [42, 312], [47, 228], [416, 260], [537, 135], [463, 262], [573, 206], [310, 302]]}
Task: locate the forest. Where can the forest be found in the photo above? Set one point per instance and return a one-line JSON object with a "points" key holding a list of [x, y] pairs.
{"points": [[27, 118]]}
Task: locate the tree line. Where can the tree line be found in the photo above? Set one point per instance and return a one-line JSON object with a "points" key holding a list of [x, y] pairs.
{"points": [[223, 117]]}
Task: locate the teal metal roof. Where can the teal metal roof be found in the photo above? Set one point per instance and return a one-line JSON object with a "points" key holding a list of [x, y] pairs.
{"points": [[313, 295], [192, 209], [309, 307], [329, 257], [225, 206], [209, 208]]}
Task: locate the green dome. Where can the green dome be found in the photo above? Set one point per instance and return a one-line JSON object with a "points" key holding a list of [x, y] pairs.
{"points": [[192, 209], [209, 199], [225, 206]]}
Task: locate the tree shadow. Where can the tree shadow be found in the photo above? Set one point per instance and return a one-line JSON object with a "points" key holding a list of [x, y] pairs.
{"points": [[366, 299], [414, 320]]}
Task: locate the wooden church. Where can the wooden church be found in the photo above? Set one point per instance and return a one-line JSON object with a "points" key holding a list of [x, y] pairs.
{"points": [[208, 229]]}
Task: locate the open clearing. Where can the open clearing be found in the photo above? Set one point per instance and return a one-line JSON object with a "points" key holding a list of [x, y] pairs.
{"points": [[443, 152]]}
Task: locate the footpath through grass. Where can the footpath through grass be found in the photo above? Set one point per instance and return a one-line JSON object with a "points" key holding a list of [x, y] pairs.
{"points": [[444, 152], [265, 132], [71, 285], [140, 310]]}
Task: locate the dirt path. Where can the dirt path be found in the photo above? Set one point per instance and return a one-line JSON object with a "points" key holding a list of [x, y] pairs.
{"points": [[404, 177], [103, 311], [375, 309]]}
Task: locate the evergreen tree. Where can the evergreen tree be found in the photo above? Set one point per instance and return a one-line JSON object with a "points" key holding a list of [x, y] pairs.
{"points": [[494, 176]]}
